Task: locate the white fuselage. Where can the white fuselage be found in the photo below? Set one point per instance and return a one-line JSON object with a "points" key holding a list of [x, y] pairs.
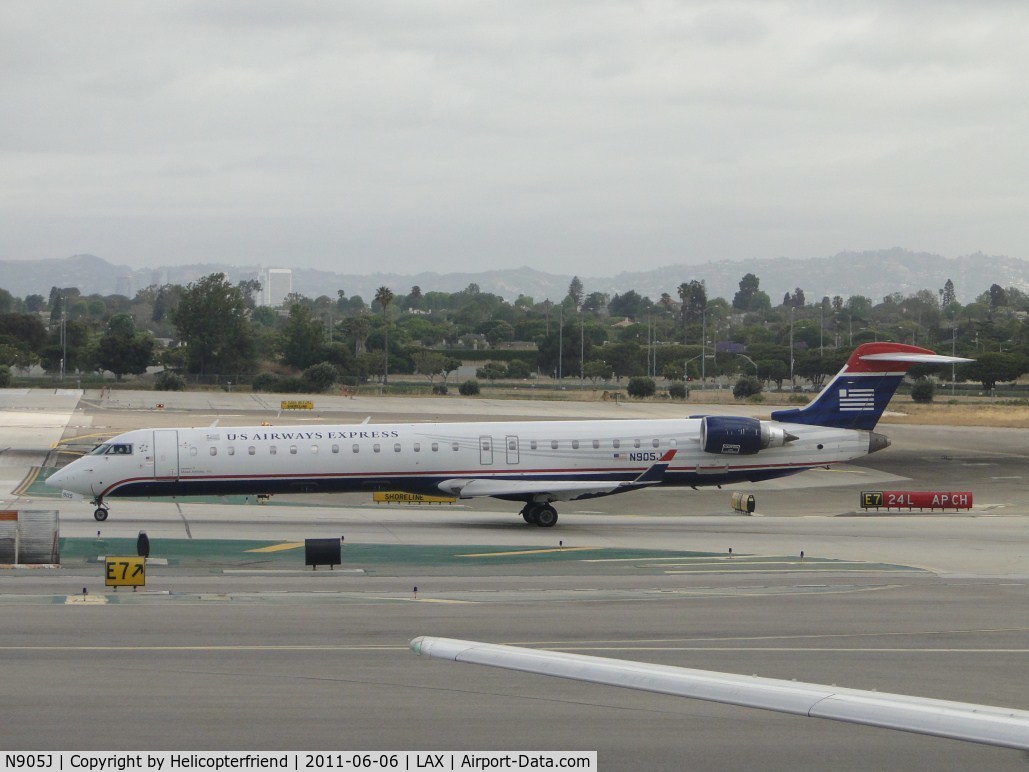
{"points": [[429, 457]]}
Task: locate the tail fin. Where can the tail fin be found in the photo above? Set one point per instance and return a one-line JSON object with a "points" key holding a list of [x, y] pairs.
{"points": [[860, 392]]}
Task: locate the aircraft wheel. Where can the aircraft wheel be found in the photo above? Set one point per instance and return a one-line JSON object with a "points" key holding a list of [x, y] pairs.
{"points": [[530, 513], [100, 514], [546, 517]]}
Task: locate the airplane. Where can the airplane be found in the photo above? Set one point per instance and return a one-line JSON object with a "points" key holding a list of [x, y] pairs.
{"points": [[533, 462], [1002, 727]]}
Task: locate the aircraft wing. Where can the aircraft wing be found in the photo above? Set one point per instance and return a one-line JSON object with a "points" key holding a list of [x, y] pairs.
{"points": [[555, 490], [1004, 727]]}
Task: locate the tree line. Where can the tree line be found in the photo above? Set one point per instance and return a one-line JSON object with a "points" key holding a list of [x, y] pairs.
{"points": [[212, 330]]}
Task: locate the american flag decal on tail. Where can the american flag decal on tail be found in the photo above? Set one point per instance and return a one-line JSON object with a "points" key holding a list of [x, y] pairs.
{"points": [[857, 399]]}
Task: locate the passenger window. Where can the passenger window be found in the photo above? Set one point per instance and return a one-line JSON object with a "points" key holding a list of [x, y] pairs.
{"points": [[376, 448], [435, 447], [193, 451], [553, 444], [635, 443], [417, 447], [357, 448], [213, 450], [455, 446], [251, 450], [655, 443], [532, 444], [272, 450], [616, 443], [293, 450], [314, 448], [396, 447], [512, 445], [596, 443], [335, 448], [575, 444], [232, 450]]}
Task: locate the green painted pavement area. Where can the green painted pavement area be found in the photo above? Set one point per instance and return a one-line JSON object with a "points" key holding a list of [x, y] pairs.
{"points": [[217, 554], [240, 553]]}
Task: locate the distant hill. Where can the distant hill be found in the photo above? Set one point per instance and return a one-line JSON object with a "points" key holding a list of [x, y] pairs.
{"points": [[874, 274], [87, 272]]}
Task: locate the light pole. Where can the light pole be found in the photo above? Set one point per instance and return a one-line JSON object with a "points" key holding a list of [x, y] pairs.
{"points": [[685, 365], [651, 346], [582, 354], [560, 340], [703, 350], [792, 309], [953, 345], [751, 361], [64, 335]]}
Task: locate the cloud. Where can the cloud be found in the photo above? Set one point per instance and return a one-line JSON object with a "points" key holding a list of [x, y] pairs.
{"points": [[563, 135]]}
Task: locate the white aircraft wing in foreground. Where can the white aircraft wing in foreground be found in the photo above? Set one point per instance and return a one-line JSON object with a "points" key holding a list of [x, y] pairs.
{"points": [[1004, 727]]}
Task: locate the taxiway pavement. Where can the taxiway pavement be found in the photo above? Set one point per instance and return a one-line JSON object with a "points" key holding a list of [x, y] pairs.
{"points": [[234, 650]]}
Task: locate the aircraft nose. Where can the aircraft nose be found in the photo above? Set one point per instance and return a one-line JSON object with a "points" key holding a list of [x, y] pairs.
{"points": [[58, 478], [63, 479]]}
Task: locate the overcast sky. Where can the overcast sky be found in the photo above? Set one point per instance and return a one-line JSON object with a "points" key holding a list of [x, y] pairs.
{"points": [[575, 137]]}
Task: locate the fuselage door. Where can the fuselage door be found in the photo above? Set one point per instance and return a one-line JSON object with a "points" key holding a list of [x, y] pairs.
{"points": [[166, 454], [485, 450], [511, 441]]}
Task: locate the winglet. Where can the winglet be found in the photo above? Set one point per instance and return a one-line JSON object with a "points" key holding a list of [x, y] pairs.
{"points": [[654, 474]]}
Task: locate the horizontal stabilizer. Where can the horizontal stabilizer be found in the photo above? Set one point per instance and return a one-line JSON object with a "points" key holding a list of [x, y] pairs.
{"points": [[923, 359]]}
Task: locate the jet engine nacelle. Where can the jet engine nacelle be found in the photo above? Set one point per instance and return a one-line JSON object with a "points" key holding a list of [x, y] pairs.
{"points": [[739, 436]]}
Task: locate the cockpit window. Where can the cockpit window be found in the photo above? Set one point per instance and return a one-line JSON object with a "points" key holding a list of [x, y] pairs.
{"points": [[112, 449]]}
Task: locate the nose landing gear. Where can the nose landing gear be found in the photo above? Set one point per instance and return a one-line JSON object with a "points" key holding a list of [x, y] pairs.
{"points": [[100, 513]]}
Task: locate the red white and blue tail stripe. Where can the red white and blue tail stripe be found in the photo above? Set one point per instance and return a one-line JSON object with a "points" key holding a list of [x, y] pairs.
{"points": [[860, 392]]}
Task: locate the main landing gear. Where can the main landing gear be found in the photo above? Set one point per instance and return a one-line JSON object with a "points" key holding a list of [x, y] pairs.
{"points": [[100, 513], [543, 515]]}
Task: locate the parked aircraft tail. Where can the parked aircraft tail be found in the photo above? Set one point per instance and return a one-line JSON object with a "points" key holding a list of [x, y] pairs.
{"points": [[859, 393]]}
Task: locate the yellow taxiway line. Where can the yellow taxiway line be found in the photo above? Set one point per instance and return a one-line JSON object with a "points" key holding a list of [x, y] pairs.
{"points": [[292, 545]]}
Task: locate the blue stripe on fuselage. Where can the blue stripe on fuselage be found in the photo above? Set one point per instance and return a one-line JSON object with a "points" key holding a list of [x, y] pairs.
{"points": [[145, 488]]}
